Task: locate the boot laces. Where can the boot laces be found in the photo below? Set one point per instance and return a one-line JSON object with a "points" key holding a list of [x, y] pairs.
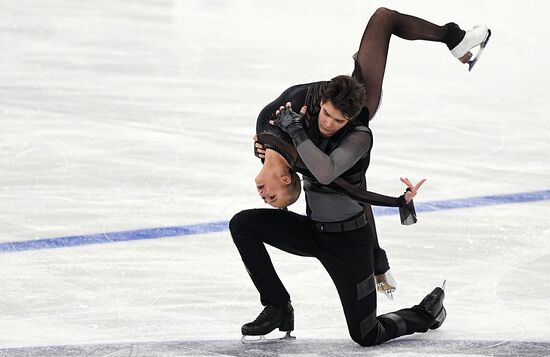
{"points": [[265, 313]]}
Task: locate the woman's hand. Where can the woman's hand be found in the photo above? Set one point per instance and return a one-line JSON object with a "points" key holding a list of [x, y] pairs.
{"points": [[411, 189], [259, 149]]}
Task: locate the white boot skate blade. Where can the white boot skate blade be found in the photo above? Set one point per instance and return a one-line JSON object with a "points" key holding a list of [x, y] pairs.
{"points": [[478, 54], [263, 339]]}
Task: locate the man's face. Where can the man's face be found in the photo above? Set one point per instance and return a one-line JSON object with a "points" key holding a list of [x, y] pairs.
{"points": [[331, 119]]}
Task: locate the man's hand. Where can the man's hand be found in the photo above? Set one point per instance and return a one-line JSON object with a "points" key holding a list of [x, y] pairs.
{"points": [[288, 120], [259, 149]]}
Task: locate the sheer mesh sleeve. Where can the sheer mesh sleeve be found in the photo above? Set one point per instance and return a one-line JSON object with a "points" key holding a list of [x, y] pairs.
{"points": [[325, 167]]}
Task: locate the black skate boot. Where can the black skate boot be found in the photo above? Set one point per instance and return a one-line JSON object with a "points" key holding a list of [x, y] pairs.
{"points": [[433, 305], [269, 319]]}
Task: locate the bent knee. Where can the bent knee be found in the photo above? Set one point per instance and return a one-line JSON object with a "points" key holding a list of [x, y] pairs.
{"points": [[236, 222], [383, 12], [239, 222], [364, 341], [375, 336]]}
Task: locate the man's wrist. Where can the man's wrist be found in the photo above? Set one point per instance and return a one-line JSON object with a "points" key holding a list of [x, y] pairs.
{"points": [[298, 134]]}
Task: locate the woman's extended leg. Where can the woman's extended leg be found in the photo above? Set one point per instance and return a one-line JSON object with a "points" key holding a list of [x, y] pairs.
{"points": [[370, 63]]}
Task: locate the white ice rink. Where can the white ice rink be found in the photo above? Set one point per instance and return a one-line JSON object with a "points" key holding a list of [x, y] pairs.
{"points": [[131, 121]]}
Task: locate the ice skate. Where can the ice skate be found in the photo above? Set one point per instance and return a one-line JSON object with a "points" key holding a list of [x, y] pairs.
{"points": [[385, 284], [433, 305], [269, 319], [478, 36]]}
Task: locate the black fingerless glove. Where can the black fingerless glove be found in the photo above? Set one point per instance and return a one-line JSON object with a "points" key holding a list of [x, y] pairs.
{"points": [[292, 123]]}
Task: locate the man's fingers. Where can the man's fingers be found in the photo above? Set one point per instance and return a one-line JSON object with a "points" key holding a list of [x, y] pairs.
{"points": [[280, 112], [303, 110]]}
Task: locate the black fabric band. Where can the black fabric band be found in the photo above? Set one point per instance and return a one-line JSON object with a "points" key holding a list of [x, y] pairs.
{"points": [[366, 287], [399, 322], [342, 226], [368, 323]]}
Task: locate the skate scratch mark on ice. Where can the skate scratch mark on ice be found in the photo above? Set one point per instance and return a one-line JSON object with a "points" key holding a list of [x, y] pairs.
{"points": [[320, 347], [203, 228]]}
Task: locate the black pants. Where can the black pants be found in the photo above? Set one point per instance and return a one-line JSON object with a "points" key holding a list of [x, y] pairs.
{"points": [[347, 257], [380, 262]]}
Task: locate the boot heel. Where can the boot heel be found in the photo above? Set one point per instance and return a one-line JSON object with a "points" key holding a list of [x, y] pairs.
{"points": [[439, 319], [287, 324]]}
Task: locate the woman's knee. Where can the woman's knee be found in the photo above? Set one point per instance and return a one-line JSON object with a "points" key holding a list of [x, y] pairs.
{"points": [[383, 12]]}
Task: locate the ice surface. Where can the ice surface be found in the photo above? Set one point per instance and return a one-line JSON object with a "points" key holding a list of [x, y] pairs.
{"points": [[118, 116]]}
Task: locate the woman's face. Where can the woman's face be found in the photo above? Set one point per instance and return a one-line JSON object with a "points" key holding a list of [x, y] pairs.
{"points": [[272, 185], [331, 119]]}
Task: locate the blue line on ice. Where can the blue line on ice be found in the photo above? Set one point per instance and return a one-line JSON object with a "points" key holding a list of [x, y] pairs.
{"points": [[152, 233]]}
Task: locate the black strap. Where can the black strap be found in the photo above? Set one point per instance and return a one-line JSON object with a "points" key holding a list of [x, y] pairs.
{"points": [[342, 226]]}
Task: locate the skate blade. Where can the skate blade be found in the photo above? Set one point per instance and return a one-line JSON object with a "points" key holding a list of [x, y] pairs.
{"points": [[263, 339], [389, 294], [387, 291], [472, 63]]}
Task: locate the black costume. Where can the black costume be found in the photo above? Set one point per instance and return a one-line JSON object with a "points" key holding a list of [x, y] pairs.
{"points": [[343, 246], [309, 95], [337, 236]]}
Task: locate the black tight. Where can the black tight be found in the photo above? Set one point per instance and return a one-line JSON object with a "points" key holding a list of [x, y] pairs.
{"points": [[370, 67], [373, 50]]}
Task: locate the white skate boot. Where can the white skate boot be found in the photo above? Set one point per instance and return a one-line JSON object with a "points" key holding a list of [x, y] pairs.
{"points": [[385, 284], [478, 36]]}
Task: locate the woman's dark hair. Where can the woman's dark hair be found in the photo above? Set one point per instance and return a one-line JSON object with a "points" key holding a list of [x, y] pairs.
{"points": [[346, 94]]}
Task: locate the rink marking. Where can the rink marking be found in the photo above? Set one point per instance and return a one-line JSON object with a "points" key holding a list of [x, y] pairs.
{"points": [[320, 347], [201, 228]]}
